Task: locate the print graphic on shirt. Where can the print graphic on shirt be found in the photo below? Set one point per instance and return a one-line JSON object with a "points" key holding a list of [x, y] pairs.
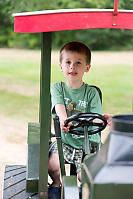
{"points": [[71, 110], [66, 100], [72, 105], [83, 103]]}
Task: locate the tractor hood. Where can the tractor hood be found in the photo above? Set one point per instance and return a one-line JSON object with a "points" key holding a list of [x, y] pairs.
{"points": [[109, 173]]}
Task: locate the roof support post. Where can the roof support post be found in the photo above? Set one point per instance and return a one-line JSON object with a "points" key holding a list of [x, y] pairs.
{"points": [[45, 74]]}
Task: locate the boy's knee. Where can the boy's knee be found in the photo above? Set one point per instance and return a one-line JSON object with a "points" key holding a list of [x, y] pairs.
{"points": [[54, 162]]}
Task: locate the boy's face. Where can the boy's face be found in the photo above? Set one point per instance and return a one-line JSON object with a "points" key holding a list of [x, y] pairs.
{"points": [[74, 65]]}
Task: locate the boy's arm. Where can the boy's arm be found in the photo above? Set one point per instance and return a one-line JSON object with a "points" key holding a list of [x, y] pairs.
{"points": [[61, 112]]}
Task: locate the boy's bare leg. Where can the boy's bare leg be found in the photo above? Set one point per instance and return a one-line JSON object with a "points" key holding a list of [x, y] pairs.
{"points": [[54, 169], [79, 176]]}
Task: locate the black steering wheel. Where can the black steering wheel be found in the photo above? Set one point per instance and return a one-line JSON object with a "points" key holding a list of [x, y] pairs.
{"points": [[86, 119]]}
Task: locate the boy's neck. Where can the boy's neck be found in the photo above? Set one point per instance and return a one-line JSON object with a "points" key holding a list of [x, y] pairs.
{"points": [[75, 85]]}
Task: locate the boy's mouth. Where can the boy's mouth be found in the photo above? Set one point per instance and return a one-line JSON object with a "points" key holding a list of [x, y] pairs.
{"points": [[73, 73]]}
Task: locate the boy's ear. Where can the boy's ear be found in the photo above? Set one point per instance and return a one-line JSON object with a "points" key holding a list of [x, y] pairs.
{"points": [[60, 67], [88, 68]]}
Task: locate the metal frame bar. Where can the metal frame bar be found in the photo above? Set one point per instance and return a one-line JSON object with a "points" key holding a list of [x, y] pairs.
{"points": [[45, 74], [115, 7], [115, 13]]}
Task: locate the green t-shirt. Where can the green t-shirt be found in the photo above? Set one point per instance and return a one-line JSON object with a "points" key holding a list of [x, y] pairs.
{"points": [[82, 100]]}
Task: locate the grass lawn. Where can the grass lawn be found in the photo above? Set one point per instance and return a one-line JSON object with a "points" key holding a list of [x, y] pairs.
{"points": [[19, 83]]}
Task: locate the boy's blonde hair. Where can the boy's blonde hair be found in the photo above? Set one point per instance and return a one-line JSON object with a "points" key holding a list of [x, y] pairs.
{"points": [[76, 47]]}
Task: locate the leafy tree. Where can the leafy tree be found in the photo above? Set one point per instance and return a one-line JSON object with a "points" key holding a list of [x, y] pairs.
{"points": [[5, 23]]}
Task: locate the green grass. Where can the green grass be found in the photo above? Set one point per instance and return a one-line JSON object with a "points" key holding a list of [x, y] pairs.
{"points": [[115, 82], [23, 71], [19, 106], [117, 87]]}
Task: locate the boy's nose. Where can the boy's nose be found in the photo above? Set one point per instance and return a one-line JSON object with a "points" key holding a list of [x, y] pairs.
{"points": [[72, 66]]}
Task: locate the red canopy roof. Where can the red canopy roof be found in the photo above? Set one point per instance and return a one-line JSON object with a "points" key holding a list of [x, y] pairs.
{"points": [[72, 19]]}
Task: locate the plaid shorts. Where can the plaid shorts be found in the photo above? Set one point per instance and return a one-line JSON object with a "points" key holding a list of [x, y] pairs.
{"points": [[71, 155]]}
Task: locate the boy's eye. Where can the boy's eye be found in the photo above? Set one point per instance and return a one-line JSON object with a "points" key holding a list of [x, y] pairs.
{"points": [[68, 62], [78, 62]]}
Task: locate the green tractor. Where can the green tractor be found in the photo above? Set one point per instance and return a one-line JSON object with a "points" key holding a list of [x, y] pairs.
{"points": [[108, 174]]}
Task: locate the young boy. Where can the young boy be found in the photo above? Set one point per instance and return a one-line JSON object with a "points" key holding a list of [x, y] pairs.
{"points": [[70, 97]]}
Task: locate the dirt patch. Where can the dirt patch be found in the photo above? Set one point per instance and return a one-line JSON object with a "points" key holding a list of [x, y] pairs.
{"points": [[26, 90], [110, 58], [98, 58], [19, 54]]}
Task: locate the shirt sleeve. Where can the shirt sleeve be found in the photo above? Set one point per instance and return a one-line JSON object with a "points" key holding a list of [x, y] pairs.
{"points": [[95, 105], [56, 95]]}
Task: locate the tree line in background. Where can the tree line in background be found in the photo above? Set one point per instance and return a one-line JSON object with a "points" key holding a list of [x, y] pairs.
{"points": [[96, 39]]}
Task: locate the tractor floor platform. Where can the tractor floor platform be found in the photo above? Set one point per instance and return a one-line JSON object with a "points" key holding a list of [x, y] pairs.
{"points": [[15, 183]]}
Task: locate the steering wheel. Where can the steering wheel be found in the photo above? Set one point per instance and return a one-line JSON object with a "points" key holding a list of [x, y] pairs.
{"points": [[86, 119]]}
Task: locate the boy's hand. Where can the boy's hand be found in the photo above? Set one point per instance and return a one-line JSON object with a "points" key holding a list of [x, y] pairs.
{"points": [[108, 117], [61, 112], [63, 127]]}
